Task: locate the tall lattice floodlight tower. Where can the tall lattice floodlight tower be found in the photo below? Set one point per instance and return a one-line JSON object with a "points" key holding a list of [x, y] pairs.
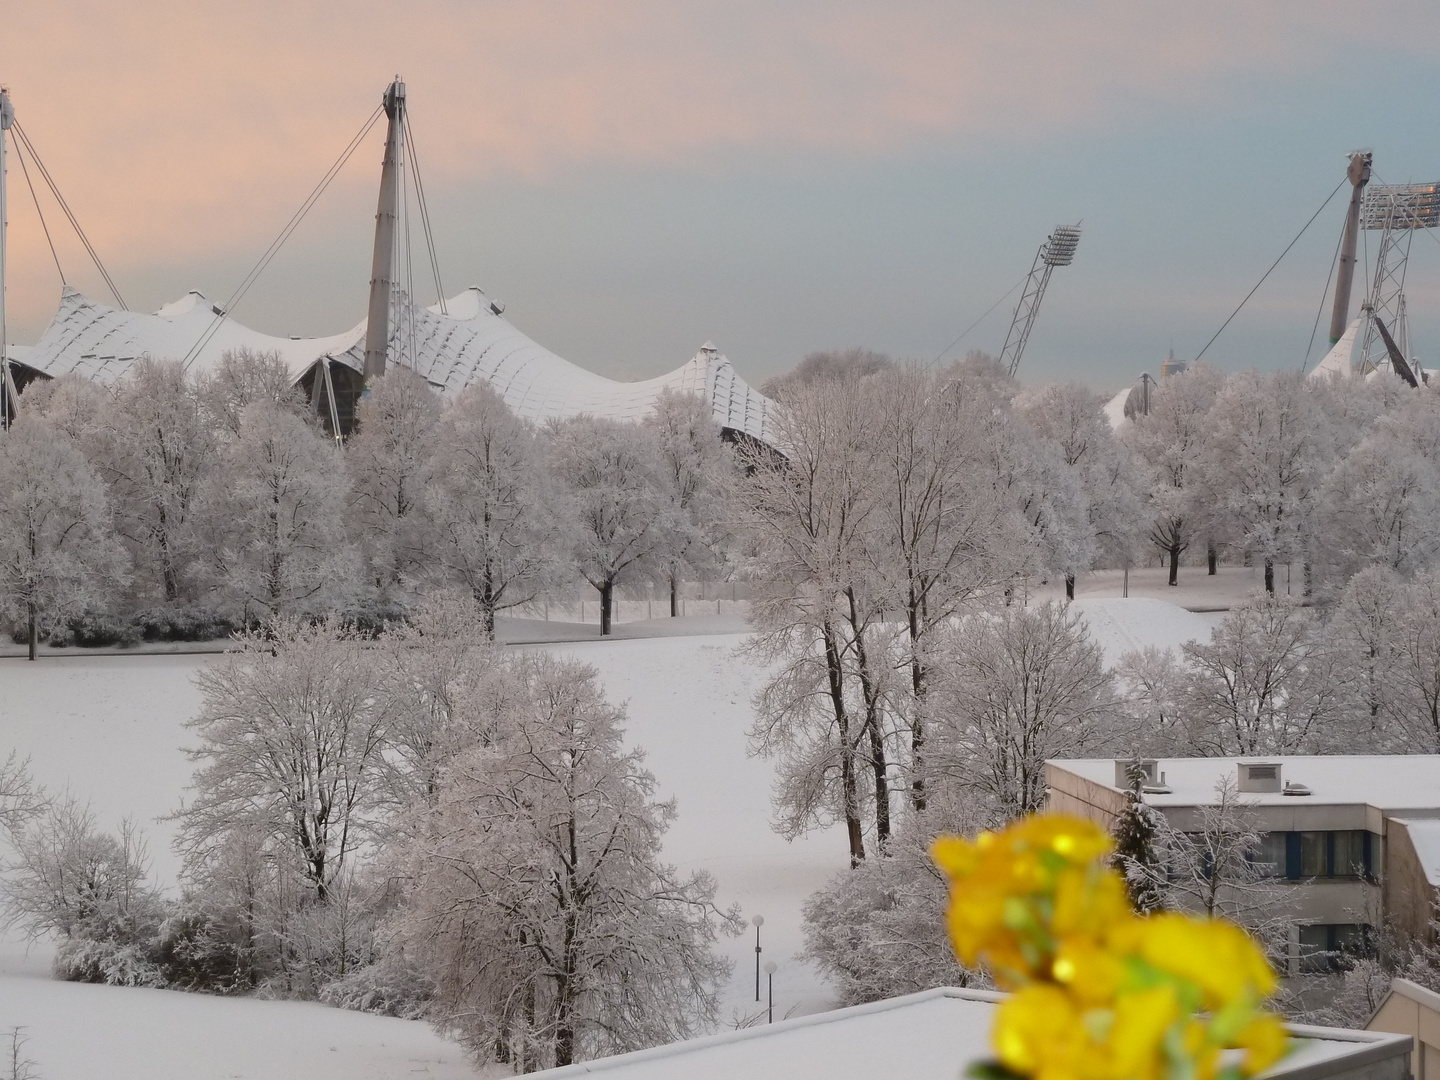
{"points": [[1395, 211], [1057, 250]]}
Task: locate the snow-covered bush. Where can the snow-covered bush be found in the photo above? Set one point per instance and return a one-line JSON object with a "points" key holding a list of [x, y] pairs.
{"points": [[88, 889], [391, 986]]}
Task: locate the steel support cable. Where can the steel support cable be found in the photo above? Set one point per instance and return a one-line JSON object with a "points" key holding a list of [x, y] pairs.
{"points": [[424, 214], [1271, 270], [1323, 293], [978, 321], [275, 245], [22, 138], [40, 214]]}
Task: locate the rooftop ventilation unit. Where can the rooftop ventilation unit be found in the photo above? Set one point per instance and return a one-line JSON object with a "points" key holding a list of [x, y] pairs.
{"points": [[1152, 781], [1126, 767], [1260, 776]]}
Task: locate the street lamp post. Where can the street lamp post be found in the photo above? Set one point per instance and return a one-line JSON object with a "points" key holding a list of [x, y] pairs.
{"points": [[770, 978], [759, 921]]}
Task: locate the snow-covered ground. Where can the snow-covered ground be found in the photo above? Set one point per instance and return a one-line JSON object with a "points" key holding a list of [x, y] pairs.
{"points": [[111, 728]]}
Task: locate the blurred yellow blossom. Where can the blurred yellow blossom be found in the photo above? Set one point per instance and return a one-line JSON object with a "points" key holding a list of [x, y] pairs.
{"points": [[1098, 992]]}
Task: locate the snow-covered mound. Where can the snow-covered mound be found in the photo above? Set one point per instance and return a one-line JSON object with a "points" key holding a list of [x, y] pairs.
{"points": [[1122, 625], [81, 1032], [468, 342]]}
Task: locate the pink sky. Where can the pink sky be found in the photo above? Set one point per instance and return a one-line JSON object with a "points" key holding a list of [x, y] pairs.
{"points": [[182, 128]]}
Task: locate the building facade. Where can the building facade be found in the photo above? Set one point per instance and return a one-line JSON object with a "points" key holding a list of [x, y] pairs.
{"points": [[1352, 843]]}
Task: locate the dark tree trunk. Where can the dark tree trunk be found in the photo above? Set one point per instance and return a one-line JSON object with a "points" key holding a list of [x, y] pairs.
{"points": [[871, 694], [1175, 563], [607, 595], [917, 721], [1069, 586], [848, 785], [674, 598], [1212, 558], [30, 617], [1270, 576]]}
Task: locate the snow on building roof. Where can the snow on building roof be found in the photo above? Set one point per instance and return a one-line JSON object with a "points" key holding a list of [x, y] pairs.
{"points": [[99, 342], [1425, 839], [467, 343], [1114, 409], [1388, 782], [932, 1035]]}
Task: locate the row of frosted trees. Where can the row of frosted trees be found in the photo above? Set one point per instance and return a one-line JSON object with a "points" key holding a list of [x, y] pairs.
{"points": [[182, 506], [913, 689]]}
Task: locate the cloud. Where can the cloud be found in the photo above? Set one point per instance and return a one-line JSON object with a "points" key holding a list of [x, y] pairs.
{"points": [[183, 128]]}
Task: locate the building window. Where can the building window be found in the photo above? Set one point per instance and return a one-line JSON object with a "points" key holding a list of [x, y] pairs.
{"points": [[1327, 947], [1269, 857], [1346, 853]]}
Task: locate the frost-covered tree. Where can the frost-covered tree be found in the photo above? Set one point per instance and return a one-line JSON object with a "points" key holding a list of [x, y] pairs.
{"points": [[1070, 418], [388, 459], [627, 526], [878, 931], [1414, 674], [499, 527], [807, 516], [1264, 461], [539, 905], [275, 508], [1216, 866], [1170, 439], [1149, 682], [826, 366], [436, 675], [1031, 471], [58, 551], [242, 378], [1020, 685], [944, 538], [1261, 685], [291, 750], [160, 452], [696, 469], [1381, 502]]}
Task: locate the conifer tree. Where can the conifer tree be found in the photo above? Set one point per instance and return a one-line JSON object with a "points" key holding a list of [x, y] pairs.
{"points": [[1136, 857]]}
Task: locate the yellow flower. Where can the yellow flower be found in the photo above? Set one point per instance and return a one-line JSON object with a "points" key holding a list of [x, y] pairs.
{"points": [[1099, 992], [1265, 1042], [1216, 956]]}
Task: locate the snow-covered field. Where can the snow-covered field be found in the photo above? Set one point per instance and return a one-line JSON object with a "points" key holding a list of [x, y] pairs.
{"points": [[111, 728]]}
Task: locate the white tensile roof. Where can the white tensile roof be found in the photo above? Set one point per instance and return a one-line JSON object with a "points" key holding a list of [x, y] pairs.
{"points": [[468, 342], [1338, 362]]}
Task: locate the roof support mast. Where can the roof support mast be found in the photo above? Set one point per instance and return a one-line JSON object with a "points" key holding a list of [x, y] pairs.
{"points": [[7, 385], [382, 268], [1359, 175]]}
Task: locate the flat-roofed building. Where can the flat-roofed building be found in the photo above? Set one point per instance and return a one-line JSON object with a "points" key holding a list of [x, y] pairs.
{"points": [[1352, 839], [934, 1035]]}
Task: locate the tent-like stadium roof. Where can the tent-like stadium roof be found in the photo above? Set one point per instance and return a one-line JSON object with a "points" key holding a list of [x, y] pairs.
{"points": [[468, 342]]}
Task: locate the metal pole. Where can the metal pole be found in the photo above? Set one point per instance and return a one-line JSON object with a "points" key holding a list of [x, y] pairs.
{"points": [[759, 921], [1358, 173], [770, 1008], [382, 266], [7, 116]]}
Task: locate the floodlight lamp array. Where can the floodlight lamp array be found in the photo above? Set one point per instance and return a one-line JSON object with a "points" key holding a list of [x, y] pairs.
{"points": [[1060, 247], [1401, 206]]}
